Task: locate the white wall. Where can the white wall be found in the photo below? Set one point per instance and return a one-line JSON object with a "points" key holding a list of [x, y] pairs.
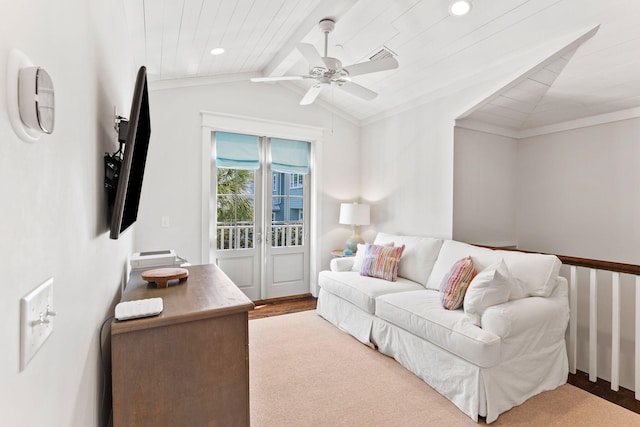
{"points": [[407, 172], [408, 160], [172, 185], [578, 196], [53, 221], [578, 193], [485, 188]]}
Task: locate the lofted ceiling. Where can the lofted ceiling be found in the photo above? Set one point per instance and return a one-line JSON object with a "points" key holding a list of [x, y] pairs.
{"points": [[438, 53]]}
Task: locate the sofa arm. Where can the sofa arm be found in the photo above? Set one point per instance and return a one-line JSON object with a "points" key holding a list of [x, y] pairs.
{"points": [[519, 317], [342, 264]]}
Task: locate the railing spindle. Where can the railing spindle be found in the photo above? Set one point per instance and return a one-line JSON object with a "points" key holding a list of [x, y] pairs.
{"points": [[637, 361], [615, 332], [573, 319], [593, 326]]}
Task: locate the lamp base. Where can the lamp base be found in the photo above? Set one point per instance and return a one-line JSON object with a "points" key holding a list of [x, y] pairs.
{"points": [[352, 242]]}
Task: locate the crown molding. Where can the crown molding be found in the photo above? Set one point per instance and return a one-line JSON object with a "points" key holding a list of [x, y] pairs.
{"points": [[584, 122], [487, 128]]}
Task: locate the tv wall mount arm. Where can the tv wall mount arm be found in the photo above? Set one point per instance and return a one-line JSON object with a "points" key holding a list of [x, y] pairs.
{"points": [[113, 162]]}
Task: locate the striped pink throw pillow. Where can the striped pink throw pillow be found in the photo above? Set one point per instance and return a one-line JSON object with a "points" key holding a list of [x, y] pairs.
{"points": [[381, 261], [455, 284]]}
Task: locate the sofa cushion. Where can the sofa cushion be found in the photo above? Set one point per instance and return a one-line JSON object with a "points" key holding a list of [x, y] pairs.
{"points": [[421, 313], [362, 291], [381, 261], [455, 284], [538, 272], [490, 287], [418, 257], [453, 251]]}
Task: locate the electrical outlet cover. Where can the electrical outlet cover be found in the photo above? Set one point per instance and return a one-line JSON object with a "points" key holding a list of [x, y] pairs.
{"points": [[36, 320]]}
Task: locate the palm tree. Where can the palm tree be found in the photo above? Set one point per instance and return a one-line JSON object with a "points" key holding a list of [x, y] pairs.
{"points": [[234, 202]]}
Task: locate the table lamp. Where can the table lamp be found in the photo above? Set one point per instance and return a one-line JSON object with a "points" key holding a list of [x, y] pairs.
{"points": [[354, 214]]}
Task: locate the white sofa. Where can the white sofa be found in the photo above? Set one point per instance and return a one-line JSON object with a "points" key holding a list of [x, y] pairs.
{"points": [[517, 351]]}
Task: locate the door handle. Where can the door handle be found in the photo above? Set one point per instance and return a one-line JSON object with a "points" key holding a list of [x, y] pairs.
{"points": [[259, 237]]}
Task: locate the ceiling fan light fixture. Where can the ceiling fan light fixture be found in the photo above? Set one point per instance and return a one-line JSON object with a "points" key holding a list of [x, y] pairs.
{"points": [[217, 51], [460, 7]]}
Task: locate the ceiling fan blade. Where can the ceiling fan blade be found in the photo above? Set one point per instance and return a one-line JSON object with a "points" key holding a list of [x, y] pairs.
{"points": [[359, 91], [372, 66], [311, 54], [276, 79], [312, 94]]}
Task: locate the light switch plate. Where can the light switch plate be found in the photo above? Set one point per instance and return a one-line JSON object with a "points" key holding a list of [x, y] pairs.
{"points": [[36, 320]]}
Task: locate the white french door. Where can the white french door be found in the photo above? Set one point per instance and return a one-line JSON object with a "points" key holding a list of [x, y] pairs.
{"points": [[287, 238], [238, 227], [261, 232]]}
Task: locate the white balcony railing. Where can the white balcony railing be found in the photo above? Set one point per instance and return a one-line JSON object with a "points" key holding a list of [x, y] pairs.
{"points": [[286, 234], [240, 235]]}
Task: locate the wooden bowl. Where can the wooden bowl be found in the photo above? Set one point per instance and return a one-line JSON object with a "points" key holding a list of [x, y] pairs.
{"points": [[160, 276]]}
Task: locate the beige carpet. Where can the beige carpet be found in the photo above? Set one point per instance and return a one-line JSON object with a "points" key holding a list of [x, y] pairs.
{"points": [[306, 372]]}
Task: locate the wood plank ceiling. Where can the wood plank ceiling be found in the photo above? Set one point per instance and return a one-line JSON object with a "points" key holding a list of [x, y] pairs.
{"points": [[438, 53]]}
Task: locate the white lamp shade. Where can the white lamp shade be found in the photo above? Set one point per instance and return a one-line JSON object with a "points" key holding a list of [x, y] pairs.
{"points": [[354, 213]]}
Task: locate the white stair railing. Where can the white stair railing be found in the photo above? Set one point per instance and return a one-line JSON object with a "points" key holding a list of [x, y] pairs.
{"points": [[615, 269]]}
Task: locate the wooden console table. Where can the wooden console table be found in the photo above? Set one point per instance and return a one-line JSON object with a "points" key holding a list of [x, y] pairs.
{"points": [[188, 366]]}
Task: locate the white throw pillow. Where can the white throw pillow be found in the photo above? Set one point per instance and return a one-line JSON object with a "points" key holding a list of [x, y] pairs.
{"points": [[492, 286], [357, 260], [538, 272]]}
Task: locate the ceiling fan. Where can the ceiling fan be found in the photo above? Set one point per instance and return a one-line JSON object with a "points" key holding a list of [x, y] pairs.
{"points": [[327, 70]]}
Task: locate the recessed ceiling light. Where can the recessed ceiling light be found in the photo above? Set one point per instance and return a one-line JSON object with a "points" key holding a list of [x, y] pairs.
{"points": [[459, 8], [217, 51]]}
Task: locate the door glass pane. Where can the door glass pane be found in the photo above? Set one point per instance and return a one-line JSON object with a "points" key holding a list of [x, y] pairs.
{"points": [[287, 209], [235, 209]]}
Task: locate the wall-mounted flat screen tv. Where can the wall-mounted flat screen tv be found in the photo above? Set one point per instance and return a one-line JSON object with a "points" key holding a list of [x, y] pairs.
{"points": [[124, 210]]}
